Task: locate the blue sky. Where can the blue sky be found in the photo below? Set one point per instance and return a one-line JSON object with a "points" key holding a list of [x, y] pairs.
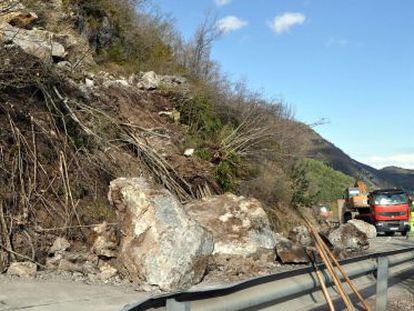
{"points": [[351, 62]]}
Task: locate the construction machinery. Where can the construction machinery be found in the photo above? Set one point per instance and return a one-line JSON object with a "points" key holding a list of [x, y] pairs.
{"points": [[387, 209]]}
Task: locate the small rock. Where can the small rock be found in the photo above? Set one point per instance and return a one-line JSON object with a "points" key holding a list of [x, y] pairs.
{"points": [[289, 252], [66, 265], [189, 152], [105, 243], [174, 115], [89, 83], [65, 65], [107, 272], [25, 269], [149, 81], [59, 245]]}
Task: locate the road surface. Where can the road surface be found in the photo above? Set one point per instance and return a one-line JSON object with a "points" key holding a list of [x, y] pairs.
{"points": [[48, 295]]}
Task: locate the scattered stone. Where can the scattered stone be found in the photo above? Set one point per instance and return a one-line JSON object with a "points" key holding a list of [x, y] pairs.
{"points": [[289, 252], [107, 272], [160, 245], [25, 269], [66, 265], [59, 245], [239, 225], [189, 152], [349, 238], [174, 115], [105, 243], [149, 81], [65, 65], [301, 235], [364, 227], [89, 83]]}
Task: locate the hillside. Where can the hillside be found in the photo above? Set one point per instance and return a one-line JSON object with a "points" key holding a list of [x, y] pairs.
{"points": [[328, 153]]}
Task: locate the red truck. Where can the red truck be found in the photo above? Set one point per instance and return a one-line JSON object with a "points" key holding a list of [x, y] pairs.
{"points": [[388, 209]]}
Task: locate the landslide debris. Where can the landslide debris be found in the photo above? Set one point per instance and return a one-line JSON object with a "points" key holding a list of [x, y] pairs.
{"points": [[77, 115]]}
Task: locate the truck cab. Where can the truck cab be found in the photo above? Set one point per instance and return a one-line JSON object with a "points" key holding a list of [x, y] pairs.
{"points": [[389, 211]]}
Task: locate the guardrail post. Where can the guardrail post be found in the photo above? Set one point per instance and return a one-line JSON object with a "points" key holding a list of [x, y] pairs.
{"points": [[382, 284], [174, 305]]}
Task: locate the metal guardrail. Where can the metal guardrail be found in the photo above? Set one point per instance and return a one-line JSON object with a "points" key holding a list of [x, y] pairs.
{"points": [[276, 288]]}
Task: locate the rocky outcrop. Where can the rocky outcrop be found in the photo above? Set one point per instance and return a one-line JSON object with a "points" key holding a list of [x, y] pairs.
{"points": [[161, 246], [239, 225], [348, 238], [364, 227], [39, 43], [15, 22]]}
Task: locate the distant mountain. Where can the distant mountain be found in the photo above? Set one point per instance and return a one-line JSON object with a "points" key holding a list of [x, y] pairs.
{"points": [[327, 152], [400, 177]]}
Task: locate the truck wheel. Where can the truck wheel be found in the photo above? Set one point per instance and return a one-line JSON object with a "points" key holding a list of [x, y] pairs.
{"points": [[404, 233]]}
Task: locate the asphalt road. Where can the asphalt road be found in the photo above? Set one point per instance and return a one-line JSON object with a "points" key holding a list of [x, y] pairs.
{"points": [[48, 295]]}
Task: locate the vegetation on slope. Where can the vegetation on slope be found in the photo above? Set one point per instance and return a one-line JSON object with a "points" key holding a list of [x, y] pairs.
{"points": [[325, 184], [244, 143]]}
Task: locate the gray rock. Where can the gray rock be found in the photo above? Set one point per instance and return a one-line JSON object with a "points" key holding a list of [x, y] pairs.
{"points": [[239, 225], [301, 235], [59, 245], [25, 269], [364, 227], [105, 242], [149, 81], [161, 246], [107, 272], [39, 43], [348, 238], [89, 83]]}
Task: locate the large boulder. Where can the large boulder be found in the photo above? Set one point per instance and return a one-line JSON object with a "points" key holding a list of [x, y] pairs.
{"points": [[348, 238], [161, 246], [239, 225], [364, 227]]}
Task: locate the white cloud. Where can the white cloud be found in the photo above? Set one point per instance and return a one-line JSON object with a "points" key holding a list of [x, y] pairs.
{"points": [[284, 22], [332, 42], [404, 160], [230, 23], [222, 2]]}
